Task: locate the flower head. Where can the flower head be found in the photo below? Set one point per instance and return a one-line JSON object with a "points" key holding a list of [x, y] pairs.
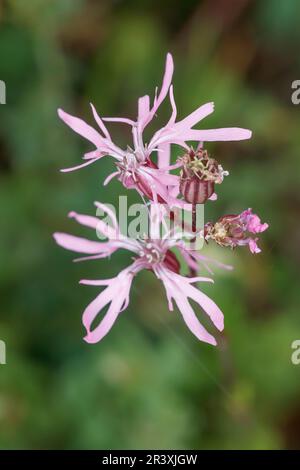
{"points": [[151, 253], [236, 230]]}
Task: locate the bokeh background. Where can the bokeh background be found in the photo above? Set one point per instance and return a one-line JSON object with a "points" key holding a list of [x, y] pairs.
{"points": [[150, 383]]}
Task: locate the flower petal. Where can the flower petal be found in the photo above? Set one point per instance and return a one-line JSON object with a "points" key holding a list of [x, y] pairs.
{"points": [[130, 122], [207, 304], [82, 165], [253, 246], [100, 122], [143, 107], [110, 177], [213, 197], [86, 220], [101, 227], [110, 213], [180, 289], [164, 156], [174, 108], [254, 224], [192, 321]]}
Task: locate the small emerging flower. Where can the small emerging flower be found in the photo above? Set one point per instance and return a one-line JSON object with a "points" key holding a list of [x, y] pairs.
{"points": [[150, 253], [236, 230], [199, 175]]}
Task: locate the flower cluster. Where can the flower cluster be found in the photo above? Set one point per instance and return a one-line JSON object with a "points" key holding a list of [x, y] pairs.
{"points": [[137, 168]]}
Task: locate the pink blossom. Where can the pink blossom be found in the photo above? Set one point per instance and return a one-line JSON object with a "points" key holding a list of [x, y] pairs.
{"points": [[135, 166], [151, 253], [195, 260]]}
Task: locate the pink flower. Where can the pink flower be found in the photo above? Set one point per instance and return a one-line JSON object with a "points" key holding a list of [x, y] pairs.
{"points": [[235, 230], [195, 260], [152, 253], [135, 166], [252, 222]]}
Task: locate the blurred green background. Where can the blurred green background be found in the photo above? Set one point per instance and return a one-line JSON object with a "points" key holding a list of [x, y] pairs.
{"points": [[149, 383]]}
